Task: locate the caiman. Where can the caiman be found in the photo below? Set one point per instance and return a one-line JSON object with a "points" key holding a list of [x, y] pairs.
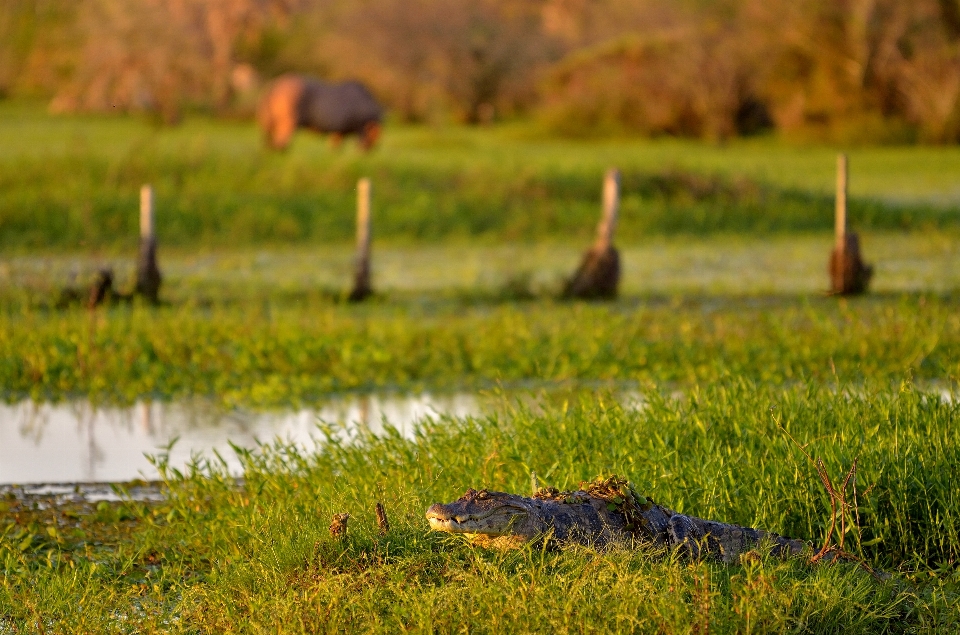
{"points": [[602, 512]]}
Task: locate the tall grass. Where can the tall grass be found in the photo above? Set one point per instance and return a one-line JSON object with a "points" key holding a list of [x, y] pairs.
{"points": [[215, 558]]}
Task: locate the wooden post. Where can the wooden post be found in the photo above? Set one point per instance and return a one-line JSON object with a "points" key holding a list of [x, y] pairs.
{"points": [[840, 220], [848, 273], [148, 274], [361, 281], [611, 209], [146, 212], [599, 271]]}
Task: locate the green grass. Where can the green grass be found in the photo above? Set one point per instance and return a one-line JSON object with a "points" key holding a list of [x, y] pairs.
{"points": [[73, 183], [724, 251], [270, 355], [215, 558]]}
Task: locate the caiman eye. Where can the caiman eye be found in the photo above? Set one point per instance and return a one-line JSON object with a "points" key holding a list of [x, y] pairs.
{"points": [[482, 494]]}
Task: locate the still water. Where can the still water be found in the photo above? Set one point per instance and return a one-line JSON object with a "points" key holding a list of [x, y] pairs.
{"points": [[75, 441]]}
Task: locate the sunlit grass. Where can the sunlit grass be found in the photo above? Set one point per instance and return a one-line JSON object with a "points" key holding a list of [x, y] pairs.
{"points": [[265, 353], [722, 302], [918, 173], [215, 557], [73, 183]]}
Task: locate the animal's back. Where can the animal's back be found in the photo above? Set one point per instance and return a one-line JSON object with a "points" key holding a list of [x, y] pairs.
{"points": [[344, 108]]}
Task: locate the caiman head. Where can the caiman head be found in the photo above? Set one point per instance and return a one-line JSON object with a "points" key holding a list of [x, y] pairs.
{"points": [[484, 513]]}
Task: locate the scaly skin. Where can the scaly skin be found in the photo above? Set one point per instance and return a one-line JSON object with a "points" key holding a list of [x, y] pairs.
{"points": [[501, 519]]}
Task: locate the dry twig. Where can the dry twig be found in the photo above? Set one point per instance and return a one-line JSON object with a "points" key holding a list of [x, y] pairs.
{"points": [[838, 504], [338, 525], [382, 521]]}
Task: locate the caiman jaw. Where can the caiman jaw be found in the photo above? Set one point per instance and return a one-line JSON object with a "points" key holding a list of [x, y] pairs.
{"points": [[493, 522]]}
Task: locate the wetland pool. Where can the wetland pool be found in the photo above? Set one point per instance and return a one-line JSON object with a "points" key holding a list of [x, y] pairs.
{"points": [[76, 441]]}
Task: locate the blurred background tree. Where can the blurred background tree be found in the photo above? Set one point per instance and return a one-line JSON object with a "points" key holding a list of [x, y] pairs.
{"points": [[850, 70]]}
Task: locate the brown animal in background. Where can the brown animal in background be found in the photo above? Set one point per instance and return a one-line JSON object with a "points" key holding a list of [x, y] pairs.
{"points": [[295, 101]]}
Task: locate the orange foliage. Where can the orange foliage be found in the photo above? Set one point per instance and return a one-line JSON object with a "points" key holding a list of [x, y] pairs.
{"points": [[850, 69]]}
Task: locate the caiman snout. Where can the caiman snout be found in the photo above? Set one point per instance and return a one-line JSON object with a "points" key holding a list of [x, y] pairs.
{"points": [[477, 512], [442, 518], [436, 511], [436, 515]]}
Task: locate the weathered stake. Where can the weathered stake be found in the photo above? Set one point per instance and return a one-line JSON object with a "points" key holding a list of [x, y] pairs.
{"points": [[361, 281], [611, 210], [848, 273], [840, 210], [148, 274], [599, 271]]}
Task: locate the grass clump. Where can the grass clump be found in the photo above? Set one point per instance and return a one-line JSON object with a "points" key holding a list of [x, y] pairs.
{"points": [[223, 558]]}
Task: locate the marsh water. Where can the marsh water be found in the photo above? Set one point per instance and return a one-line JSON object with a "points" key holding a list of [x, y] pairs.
{"points": [[79, 442]]}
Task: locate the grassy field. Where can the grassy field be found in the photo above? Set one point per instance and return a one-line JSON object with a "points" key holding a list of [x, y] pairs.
{"points": [[73, 183], [217, 558], [282, 356], [838, 376], [722, 326]]}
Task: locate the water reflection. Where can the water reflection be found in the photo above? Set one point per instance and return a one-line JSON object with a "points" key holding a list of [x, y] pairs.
{"points": [[75, 441], [78, 442]]}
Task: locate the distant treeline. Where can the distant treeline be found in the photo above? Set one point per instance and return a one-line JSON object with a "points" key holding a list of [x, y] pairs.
{"points": [[848, 70]]}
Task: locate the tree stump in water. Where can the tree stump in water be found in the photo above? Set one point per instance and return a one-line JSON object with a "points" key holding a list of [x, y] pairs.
{"points": [[102, 289], [100, 292], [598, 275], [148, 274], [848, 273]]}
